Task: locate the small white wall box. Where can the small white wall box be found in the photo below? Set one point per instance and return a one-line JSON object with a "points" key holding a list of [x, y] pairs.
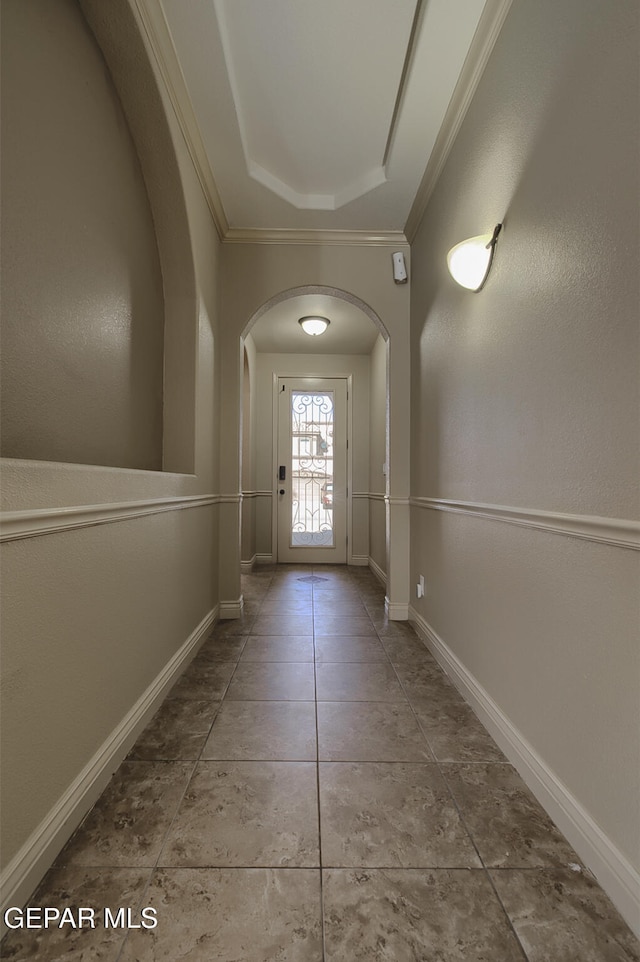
{"points": [[399, 268]]}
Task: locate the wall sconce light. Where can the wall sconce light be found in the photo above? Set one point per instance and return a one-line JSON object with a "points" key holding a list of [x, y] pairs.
{"points": [[313, 325], [470, 261]]}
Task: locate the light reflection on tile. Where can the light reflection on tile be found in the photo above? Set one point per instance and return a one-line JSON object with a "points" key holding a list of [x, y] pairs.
{"points": [[358, 682], [272, 681], [370, 731], [257, 730]]}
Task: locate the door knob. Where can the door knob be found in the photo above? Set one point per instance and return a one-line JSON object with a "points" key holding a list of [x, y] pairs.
{"points": [[281, 490]]}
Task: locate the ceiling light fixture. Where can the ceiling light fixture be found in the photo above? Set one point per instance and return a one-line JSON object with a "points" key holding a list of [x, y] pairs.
{"points": [[470, 261], [313, 324]]}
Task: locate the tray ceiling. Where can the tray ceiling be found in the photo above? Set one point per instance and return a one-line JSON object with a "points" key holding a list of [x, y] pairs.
{"points": [[306, 116]]}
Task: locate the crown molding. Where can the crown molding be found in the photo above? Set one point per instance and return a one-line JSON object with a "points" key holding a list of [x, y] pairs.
{"points": [[158, 36], [340, 238], [489, 27]]}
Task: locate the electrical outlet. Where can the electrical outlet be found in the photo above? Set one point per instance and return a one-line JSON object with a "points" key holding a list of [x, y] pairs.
{"points": [[420, 587]]}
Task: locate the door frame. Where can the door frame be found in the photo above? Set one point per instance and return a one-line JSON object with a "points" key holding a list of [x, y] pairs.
{"points": [[274, 455]]}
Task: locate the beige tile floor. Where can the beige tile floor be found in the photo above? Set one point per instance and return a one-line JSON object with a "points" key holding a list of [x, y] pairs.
{"points": [[314, 789]]}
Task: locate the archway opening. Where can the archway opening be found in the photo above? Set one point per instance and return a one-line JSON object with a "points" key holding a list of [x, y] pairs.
{"points": [[354, 348]]}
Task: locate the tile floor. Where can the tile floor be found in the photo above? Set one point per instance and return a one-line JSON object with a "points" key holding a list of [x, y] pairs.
{"points": [[314, 789]]}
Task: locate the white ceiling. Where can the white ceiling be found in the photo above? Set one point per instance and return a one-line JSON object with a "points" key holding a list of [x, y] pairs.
{"points": [[320, 115], [319, 120]]}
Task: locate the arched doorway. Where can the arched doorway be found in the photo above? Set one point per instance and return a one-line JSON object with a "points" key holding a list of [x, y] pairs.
{"points": [[277, 355]]}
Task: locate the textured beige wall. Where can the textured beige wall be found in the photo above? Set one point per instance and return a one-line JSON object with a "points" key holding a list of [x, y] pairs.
{"points": [[83, 313], [378, 453], [90, 617], [526, 395]]}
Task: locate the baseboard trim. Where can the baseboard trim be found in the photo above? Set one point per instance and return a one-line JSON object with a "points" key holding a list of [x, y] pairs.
{"points": [[231, 609], [378, 572], [397, 611], [612, 869], [27, 868], [264, 559], [246, 567], [359, 560]]}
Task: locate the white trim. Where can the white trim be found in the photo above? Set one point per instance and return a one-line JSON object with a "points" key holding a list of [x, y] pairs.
{"points": [[368, 495], [231, 609], [359, 560], [15, 525], [257, 494], [612, 869], [488, 30], [229, 498], [397, 611], [403, 502], [26, 869], [330, 238], [246, 567], [614, 531], [264, 559], [378, 572], [156, 31]]}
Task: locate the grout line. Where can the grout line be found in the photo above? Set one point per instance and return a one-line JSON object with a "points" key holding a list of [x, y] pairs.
{"points": [[315, 681]]}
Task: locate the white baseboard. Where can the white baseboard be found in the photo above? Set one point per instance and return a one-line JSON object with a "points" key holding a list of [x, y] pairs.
{"points": [[378, 572], [359, 560], [231, 609], [264, 559], [27, 868], [612, 869], [397, 611], [246, 567]]}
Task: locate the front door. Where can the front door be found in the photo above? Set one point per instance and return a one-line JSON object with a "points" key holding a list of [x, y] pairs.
{"points": [[311, 474]]}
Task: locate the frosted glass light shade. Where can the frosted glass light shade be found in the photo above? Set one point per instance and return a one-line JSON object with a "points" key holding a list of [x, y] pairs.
{"points": [[469, 261], [314, 325]]}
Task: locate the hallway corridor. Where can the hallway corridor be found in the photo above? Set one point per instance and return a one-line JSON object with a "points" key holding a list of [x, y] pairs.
{"points": [[314, 788]]}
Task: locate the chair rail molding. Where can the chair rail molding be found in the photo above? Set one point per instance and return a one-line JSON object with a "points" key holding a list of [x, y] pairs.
{"points": [[619, 532], [17, 525]]}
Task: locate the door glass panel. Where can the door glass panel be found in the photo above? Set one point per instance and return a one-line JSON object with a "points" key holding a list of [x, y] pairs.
{"points": [[312, 469]]}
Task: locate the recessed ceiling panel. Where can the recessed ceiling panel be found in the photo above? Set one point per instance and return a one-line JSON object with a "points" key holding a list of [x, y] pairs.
{"points": [[315, 85], [292, 106]]}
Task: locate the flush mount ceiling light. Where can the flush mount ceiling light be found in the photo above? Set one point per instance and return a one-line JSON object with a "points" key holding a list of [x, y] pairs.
{"points": [[470, 261], [313, 324]]}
